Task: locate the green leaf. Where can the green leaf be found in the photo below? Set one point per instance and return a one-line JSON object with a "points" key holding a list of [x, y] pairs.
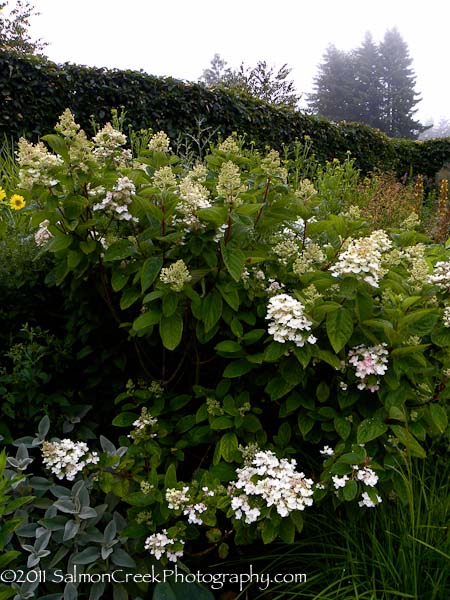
{"points": [[350, 490], [234, 260], [129, 297], [119, 250], [274, 351], [169, 303], [297, 519], [439, 417], [147, 319], [164, 591], [170, 479], [229, 446], [171, 331], [230, 294], [269, 531], [58, 145], [339, 328], [139, 499], [370, 429], [215, 214], [118, 279], [409, 441], [150, 270], [88, 246], [237, 368], [420, 322], [221, 423], [322, 392], [60, 242], [211, 309], [228, 347], [342, 427], [286, 531], [124, 419]]}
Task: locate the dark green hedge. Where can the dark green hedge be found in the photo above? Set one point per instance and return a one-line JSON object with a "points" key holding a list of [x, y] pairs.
{"points": [[34, 92]]}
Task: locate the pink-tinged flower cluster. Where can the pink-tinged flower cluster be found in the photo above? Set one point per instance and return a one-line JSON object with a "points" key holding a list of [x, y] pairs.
{"points": [[369, 361], [288, 323], [270, 481], [363, 258]]}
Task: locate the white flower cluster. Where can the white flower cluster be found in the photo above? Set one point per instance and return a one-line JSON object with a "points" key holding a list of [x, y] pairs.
{"points": [[369, 361], [108, 146], [310, 257], [288, 323], [117, 201], [271, 166], [366, 475], [181, 500], [164, 179], [441, 275], [306, 190], [367, 500], [230, 145], [42, 235], [159, 142], [79, 147], [36, 164], [175, 276], [177, 499], [67, 458], [327, 451], [275, 482], [144, 422], [159, 544], [363, 258], [193, 196], [446, 317], [229, 184]]}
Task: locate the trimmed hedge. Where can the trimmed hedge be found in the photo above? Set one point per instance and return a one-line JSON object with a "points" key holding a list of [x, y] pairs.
{"points": [[34, 92]]}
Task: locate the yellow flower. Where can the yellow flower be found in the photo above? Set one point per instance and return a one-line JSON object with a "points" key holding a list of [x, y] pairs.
{"points": [[2, 194], [17, 202]]}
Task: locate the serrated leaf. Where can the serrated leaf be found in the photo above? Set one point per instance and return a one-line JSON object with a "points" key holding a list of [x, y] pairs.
{"points": [[350, 490], [237, 368], [234, 260], [439, 417], [339, 325], [286, 531], [60, 242], [409, 441], [119, 250], [212, 307]]}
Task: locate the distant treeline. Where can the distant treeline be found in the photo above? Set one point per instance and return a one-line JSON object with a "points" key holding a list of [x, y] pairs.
{"points": [[35, 91]]}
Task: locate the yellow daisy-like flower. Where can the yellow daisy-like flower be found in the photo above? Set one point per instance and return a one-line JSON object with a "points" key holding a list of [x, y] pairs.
{"points": [[2, 194], [17, 202]]}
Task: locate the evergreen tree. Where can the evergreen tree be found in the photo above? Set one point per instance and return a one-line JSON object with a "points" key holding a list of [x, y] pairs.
{"points": [[334, 96], [368, 90], [14, 26], [398, 81]]}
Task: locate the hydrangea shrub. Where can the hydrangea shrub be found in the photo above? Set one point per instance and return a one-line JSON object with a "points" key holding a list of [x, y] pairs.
{"points": [[285, 355]]}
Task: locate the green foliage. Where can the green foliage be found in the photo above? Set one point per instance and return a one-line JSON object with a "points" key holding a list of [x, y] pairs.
{"points": [[28, 109], [259, 320]]}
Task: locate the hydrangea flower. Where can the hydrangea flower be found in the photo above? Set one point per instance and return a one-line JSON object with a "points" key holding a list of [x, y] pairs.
{"points": [[160, 544], [67, 458], [287, 321], [273, 481], [369, 361], [363, 258], [175, 276]]}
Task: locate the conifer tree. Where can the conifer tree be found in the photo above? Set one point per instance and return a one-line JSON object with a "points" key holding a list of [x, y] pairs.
{"points": [[335, 87], [368, 83], [398, 81]]}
